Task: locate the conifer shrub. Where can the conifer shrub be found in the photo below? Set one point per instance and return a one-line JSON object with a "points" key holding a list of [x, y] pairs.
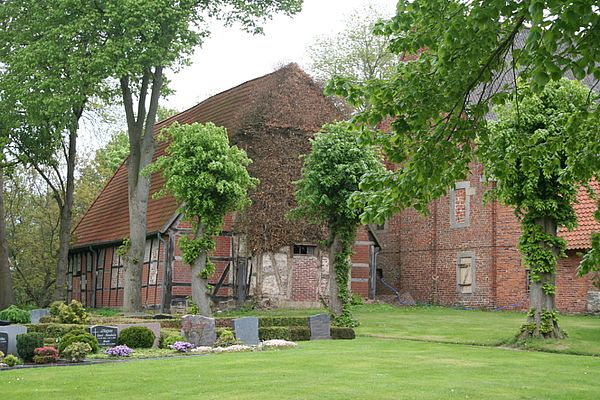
{"points": [[27, 343], [137, 337], [78, 336]]}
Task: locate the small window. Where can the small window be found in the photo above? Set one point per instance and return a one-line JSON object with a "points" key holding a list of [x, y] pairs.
{"points": [[302, 249], [380, 227], [465, 267]]}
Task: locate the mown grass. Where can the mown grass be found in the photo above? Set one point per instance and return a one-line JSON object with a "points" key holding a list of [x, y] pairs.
{"points": [[365, 368]]}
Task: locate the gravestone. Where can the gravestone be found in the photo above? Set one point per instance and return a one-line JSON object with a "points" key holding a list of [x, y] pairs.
{"points": [[37, 314], [199, 330], [320, 326], [8, 338], [246, 330], [106, 335], [153, 326]]}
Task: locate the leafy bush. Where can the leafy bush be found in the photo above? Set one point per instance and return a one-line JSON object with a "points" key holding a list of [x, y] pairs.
{"points": [[74, 313], [76, 352], [225, 338], [357, 300], [338, 332], [170, 339], [119, 351], [53, 330], [15, 315], [137, 337], [282, 321], [274, 332], [27, 343], [12, 360], [174, 323], [45, 355], [78, 336]]}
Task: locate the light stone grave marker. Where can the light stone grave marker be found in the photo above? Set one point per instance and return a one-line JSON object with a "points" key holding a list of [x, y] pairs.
{"points": [[246, 330], [320, 326], [199, 330], [8, 335], [37, 314]]}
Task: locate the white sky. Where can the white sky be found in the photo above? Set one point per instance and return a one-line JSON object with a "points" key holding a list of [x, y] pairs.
{"points": [[230, 57]]}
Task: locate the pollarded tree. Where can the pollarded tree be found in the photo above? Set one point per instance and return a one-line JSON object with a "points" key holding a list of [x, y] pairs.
{"points": [[330, 175], [532, 153], [208, 177]]}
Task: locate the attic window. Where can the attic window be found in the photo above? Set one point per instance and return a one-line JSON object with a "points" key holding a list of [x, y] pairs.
{"points": [[305, 250]]}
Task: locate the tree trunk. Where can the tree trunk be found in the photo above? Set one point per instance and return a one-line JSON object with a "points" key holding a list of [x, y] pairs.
{"points": [[200, 291], [66, 215], [541, 304], [140, 129], [335, 304], [6, 288]]}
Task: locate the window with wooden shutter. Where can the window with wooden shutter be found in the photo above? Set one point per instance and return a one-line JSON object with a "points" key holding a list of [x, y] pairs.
{"points": [[465, 272]]}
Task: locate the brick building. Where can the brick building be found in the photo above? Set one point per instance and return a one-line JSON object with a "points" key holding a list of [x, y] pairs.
{"points": [[464, 253], [272, 118]]}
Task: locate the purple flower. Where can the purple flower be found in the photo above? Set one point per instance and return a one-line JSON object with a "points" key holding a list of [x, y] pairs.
{"points": [[182, 346], [119, 351]]}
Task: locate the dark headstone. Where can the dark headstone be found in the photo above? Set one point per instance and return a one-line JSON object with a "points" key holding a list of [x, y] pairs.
{"points": [[3, 343], [246, 330], [107, 335], [162, 316], [37, 314], [10, 333], [320, 326], [199, 330]]}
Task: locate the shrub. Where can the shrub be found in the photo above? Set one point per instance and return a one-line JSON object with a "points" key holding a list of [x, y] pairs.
{"points": [[27, 343], [274, 332], [77, 351], [338, 332], [299, 333], [45, 355], [170, 339], [12, 360], [174, 323], [182, 347], [54, 330], [74, 313], [15, 315], [357, 300], [137, 337], [224, 322], [225, 338], [78, 336], [282, 321], [119, 351]]}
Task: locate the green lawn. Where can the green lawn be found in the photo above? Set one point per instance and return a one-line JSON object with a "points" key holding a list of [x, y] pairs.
{"points": [[380, 364]]}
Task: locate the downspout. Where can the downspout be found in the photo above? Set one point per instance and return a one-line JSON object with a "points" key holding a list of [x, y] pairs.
{"points": [[94, 272], [373, 288], [165, 265]]}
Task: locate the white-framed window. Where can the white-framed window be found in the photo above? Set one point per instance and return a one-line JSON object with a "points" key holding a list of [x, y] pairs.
{"points": [[304, 250]]}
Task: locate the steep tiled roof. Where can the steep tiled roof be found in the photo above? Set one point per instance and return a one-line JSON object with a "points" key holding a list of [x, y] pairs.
{"points": [[579, 238], [107, 220]]}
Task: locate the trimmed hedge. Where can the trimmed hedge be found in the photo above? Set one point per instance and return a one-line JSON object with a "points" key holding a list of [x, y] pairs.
{"points": [[174, 323], [274, 332], [137, 337], [338, 332], [27, 343], [53, 330], [299, 333], [282, 321]]}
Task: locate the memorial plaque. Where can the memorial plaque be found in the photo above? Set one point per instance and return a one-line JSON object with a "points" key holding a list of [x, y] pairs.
{"points": [[37, 314], [199, 330], [320, 326], [8, 335], [3, 342], [106, 335], [246, 330]]}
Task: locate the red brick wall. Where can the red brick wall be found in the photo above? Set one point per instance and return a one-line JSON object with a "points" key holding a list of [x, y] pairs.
{"points": [[304, 278]]}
